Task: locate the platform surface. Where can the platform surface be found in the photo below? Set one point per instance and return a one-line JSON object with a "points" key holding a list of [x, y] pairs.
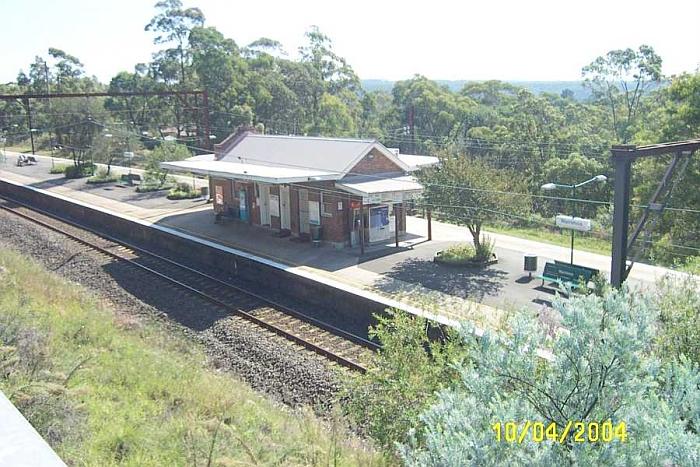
{"points": [[406, 274]]}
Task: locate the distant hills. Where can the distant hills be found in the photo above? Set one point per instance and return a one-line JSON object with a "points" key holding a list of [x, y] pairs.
{"points": [[536, 87]]}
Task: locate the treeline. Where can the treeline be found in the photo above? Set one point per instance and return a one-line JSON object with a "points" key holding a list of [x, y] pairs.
{"points": [[541, 138]]}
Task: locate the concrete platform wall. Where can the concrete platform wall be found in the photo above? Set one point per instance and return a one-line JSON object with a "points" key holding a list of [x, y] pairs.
{"points": [[340, 305]]}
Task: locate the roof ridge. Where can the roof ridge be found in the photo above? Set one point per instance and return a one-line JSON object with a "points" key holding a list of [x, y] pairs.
{"points": [[325, 138]]}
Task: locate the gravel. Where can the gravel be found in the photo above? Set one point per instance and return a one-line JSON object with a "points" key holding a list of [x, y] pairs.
{"points": [[268, 363]]}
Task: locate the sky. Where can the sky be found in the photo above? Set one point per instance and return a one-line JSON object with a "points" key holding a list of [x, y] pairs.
{"points": [[533, 40]]}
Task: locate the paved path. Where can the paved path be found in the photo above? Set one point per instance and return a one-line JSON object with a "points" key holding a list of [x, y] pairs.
{"points": [[641, 272]]}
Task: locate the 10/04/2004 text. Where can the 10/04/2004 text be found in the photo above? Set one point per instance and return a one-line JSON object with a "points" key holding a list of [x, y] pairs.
{"points": [[578, 432]]}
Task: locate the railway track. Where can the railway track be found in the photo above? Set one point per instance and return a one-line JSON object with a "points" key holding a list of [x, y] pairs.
{"points": [[335, 344]]}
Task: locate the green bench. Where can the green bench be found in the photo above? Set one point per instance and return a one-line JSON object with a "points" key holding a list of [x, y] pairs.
{"points": [[567, 276]]}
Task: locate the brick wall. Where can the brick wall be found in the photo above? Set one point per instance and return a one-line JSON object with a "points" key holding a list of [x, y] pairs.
{"points": [[229, 201], [375, 162], [335, 223]]}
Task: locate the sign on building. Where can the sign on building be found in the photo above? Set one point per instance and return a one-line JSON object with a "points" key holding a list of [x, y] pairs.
{"points": [[219, 194], [573, 223]]}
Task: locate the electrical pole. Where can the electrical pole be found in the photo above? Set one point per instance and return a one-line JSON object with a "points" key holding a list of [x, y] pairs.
{"points": [[29, 122]]}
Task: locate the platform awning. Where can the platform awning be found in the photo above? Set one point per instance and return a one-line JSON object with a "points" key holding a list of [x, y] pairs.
{"points": [[375, 189], [416, 162], [252, 172]]}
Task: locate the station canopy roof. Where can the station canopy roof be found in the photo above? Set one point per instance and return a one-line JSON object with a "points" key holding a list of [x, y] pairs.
{"points": [[253, 172], [366, 185], [294, 159]]}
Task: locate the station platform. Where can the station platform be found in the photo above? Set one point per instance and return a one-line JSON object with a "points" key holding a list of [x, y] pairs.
{"points": [[405, 275]]}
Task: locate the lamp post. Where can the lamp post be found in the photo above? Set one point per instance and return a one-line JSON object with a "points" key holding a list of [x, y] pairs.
{"points": [[554, 186]]}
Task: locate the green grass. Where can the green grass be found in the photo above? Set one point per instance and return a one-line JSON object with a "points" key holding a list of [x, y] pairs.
{"points": [[105, 388], [590, 244]]}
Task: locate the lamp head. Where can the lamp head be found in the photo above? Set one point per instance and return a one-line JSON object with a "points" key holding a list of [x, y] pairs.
{"points": [[549, 186], [601, 178]]}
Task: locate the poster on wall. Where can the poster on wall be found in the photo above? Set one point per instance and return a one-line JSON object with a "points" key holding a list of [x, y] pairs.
{"points": [[219, 197], [274, 205], [314, 213]]}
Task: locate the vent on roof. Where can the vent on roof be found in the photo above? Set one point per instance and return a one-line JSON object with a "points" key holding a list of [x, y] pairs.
{"points": [[394, 150]]}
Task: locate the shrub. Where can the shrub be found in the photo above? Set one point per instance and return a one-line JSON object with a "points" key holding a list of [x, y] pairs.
{"points": [[183, 191], [79, 171], [58, 169], [603, 368], [403, 379], [458, 254], [484, 250], [101, 176], [678, 302]]}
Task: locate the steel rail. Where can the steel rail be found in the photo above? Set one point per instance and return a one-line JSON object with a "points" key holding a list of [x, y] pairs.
{"points": [[249, 317]]}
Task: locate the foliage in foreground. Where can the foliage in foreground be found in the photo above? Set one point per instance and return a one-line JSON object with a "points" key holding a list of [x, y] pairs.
{"points": [[678, 302], [604, 368], [107, 390], [404, 379]]}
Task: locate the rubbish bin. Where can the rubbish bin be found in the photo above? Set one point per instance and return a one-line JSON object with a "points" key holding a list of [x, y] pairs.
{"points": [[530, 265], [205, 192]]}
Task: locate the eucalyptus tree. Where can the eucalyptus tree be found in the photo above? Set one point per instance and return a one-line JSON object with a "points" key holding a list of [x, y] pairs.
{"points": [[621, 79], [172, 25]]}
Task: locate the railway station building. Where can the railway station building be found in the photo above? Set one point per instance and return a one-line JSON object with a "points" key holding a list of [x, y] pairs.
{"points": [[340, 191]]}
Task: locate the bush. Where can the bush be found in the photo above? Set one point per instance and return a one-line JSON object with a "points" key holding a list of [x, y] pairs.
{"points": [[183, 191], [79, 171], [458, 254], [603, 368], [678, 302], [154, 181], [484, 251], [403, 379], [58, 169], [465, 253], [101, 176]]}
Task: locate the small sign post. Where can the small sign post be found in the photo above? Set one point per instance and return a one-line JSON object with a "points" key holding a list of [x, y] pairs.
{"points": [[573, 223]]}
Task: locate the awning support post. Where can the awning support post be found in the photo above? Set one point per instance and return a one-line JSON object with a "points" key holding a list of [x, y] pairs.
{"points": [[429, 215], [396, 224], [362, 228]]}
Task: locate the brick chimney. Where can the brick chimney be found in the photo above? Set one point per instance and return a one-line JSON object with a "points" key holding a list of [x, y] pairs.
{"points": [[233, 139]]}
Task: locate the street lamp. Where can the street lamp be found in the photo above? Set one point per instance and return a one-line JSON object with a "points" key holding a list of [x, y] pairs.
{"points": [[553, 186]]}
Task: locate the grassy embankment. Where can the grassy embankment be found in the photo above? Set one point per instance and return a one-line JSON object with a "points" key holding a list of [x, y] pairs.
{"points": [[583, 243], [105, 388]]}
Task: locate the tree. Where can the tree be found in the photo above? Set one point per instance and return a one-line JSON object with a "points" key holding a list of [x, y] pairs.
{"points": [[166, 151], [603, 368], [173, 24], [575, 169], [621, 79], [330, 74], [469, 192]]}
